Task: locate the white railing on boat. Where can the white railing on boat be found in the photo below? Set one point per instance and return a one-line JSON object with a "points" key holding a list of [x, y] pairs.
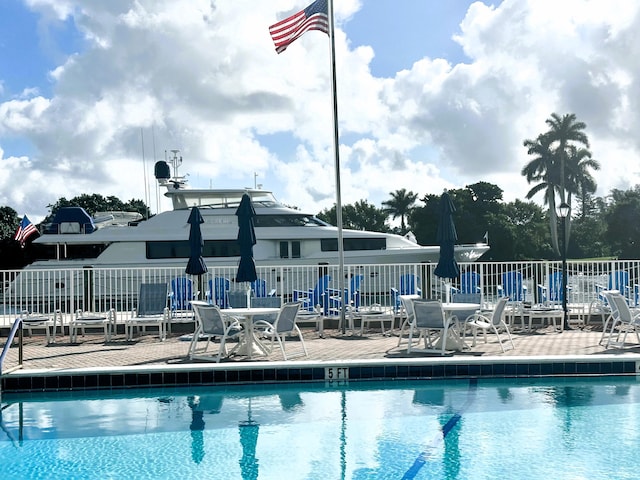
{"points": [[101, 289]]}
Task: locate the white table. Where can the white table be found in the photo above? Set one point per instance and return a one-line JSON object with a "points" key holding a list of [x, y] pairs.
{"points": [[454, 340], [249, 345]]}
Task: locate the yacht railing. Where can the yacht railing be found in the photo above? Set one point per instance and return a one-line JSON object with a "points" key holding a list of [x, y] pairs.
{"points": [[46, 291]]}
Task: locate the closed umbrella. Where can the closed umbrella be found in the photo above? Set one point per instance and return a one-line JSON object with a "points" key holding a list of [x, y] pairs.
{"points": [[447, 266], [196, 265], [246, 241]]}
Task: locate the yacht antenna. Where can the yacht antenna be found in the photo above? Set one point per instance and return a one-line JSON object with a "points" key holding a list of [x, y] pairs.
{"points": [[176, 162], [255, 180]]}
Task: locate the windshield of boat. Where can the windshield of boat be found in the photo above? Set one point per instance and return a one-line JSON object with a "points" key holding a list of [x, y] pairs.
{"points": [[183, 199], [288, 221]]}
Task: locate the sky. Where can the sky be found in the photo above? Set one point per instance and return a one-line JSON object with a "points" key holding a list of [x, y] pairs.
{"points": [[432, 95]]}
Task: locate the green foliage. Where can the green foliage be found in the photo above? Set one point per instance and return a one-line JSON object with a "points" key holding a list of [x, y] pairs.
{"points": [[623, 229], [359, 216], [400, 205], [9, 222]]}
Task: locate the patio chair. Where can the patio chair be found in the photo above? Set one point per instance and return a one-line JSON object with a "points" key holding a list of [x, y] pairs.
{"points": [[406, 311], [431, 324], [211, 323], [152, 310], [350, 296], [314, 297], [469, 284], [181, 294], [485, 322], [622, 320], [552, 294], [409, 285], [284, 325], [82, 320], [218, 292], [512, 287], [259, 289]]}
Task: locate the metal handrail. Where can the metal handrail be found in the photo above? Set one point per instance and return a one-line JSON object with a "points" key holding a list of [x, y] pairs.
{"points": [[16, 327]]}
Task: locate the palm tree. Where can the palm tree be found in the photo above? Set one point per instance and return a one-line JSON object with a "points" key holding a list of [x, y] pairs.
{"points": [[544, 169], [400, 205], [560, 165], [565, 131], [581, 181]]}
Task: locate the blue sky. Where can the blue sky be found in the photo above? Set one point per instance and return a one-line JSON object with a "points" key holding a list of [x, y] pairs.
{"points": [[432, 94]]}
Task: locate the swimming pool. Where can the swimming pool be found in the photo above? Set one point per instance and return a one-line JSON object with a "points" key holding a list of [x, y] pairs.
{"points": [[527, 429]]}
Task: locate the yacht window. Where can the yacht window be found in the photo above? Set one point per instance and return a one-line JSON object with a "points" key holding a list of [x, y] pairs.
{"points": [[352, 244], [295, 249], [288, 221], [180, 249], [284, 249]]}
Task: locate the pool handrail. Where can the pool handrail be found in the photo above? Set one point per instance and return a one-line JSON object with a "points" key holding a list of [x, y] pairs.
{"points": [[16, 327]]}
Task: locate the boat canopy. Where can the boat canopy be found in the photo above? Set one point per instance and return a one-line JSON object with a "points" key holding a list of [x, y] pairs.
{"points": [[71, 220]]}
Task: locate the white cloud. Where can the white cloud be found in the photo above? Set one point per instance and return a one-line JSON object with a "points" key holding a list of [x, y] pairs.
{"points": [[202, 76]]}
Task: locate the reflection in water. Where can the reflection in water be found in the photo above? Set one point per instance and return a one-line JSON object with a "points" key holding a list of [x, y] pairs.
{"points": [[290, 401], [249, 439], [200, 405], [197, 430]]}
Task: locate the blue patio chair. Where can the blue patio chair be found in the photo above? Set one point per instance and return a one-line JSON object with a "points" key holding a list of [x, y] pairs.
{"points": [[617, 280], [409, 285], [259, 288], [181, 294], [552, 292], [512, 287], [218, 292], [350, 296], [316, 296], [469, 283]]}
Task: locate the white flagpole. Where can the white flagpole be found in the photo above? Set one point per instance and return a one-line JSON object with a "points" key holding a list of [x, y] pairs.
{"points": [[336, 150]]}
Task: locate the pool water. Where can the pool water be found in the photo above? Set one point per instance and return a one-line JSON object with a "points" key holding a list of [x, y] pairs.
{"points": [[526, 429]]}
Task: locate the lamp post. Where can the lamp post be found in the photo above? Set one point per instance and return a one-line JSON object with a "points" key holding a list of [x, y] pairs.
{"points": [[564, 210]]}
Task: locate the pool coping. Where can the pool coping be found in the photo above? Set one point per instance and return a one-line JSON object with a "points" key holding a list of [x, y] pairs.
{"points": [[428, 368]]}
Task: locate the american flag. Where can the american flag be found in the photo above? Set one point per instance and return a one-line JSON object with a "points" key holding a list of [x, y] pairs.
{"points": [[25, 230], [286, 31]]}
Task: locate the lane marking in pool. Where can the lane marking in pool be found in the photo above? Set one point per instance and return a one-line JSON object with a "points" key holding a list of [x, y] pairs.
{"points": [[439, 439]]}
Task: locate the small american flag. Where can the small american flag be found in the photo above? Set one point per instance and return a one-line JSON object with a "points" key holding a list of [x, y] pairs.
{"points": [[286, 31], [25, 230]]}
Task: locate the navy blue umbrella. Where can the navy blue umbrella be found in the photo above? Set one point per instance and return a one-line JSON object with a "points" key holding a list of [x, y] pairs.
{"points": [[195, 265], [447, 237], [246, 240]]}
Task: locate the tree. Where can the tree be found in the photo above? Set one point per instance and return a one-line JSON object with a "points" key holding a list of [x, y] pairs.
{"points": [[560, 165], [9, 222], [400, 205], [623, 229], [359, 216]]}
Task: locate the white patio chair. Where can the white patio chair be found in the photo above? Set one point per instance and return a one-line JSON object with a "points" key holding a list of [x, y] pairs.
{"points": [[431, 323], [406, 313], [623, 320], [285, 324], [480, 321], [210, 323]]}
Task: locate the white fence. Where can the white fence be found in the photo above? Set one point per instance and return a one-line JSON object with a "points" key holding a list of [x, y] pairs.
{"points": [[100, 289]]}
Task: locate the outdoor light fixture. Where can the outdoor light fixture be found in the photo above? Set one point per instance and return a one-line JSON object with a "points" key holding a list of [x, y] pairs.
{"points": [[564, 210]]}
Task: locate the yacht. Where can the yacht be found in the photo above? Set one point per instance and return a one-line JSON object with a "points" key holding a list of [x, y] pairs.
{"points": [[285, 236]]}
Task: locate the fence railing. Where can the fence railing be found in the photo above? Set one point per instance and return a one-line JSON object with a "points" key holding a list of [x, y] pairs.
{"points": [[102, 289]]}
